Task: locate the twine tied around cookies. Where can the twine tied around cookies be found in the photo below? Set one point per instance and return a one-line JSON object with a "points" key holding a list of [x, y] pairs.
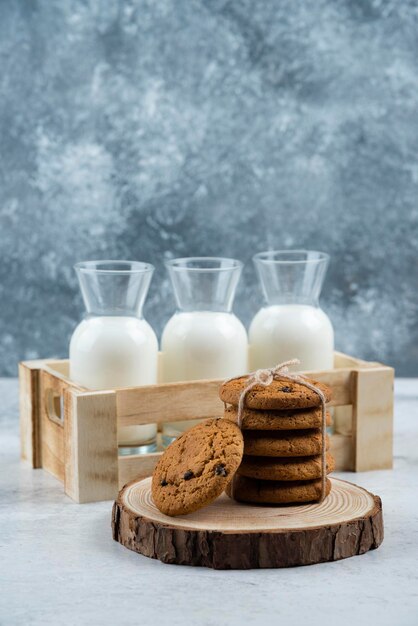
{"points": [[265, 377]]}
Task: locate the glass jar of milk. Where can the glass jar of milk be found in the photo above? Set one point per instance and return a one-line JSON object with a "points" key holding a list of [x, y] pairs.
{"points": [[203, 339], [114, 346], [291, 325]]}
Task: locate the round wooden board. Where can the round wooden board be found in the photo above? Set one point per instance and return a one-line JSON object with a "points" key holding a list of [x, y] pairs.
{"points": [[230, 535]]}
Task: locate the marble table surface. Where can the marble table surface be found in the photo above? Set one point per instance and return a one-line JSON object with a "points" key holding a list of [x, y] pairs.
{"points": [[59, 564]]}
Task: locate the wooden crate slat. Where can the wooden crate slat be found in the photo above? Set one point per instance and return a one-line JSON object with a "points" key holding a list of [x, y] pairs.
{"points": [[342, 448], [141, 466], [342, 419], [342, 360], [173, 402], [340, 381], [170, 402], [91, 449], [61, 366], [373, 419], [136, 467]]}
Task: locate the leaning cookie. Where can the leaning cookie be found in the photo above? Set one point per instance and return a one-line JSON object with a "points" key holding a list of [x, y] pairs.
{"points": [[285, 443], [276, 492], [197, 467], [296, 419], [272, 468], [281, 394]]}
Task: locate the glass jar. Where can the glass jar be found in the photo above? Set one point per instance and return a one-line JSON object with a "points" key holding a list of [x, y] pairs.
{"points": [[114, 346], [203, 339], [291, 325]]}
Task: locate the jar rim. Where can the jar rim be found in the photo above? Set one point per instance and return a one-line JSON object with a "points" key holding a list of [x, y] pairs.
{"points": [[213, 264], [291, 257], [108, 266]]}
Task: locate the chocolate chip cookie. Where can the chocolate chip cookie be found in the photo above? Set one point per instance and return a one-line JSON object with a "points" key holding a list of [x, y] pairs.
{"points": [[276, 492], [283, 443], [281, 394], [197, 467], [297, 419], [299, 468]]}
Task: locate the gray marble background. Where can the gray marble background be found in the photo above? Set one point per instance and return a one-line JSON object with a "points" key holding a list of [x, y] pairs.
{"points": [[150, 129]]}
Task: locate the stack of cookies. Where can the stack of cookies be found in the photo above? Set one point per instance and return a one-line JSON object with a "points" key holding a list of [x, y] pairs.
{"points": [[281, 424]]}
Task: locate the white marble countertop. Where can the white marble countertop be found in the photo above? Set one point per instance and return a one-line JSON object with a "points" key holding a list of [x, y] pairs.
{"points": [[59, 564]]}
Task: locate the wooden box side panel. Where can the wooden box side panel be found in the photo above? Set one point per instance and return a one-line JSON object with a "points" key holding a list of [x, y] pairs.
{"points": [[29, 413], [51, 390]]}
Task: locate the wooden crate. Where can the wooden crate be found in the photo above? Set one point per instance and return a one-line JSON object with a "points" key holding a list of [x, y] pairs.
{"points": [[72, 432]]}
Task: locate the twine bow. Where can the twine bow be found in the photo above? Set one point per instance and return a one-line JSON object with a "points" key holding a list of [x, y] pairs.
{"points": [[265, 377]]}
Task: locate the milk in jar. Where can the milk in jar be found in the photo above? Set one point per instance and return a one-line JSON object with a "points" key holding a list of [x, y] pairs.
{"points": [[291, 325], [114, 346], [203, 339]]}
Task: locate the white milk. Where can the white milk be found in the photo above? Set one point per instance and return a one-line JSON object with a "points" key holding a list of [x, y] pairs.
{"points": [[281, 332], [108, 352], [202, 344]]}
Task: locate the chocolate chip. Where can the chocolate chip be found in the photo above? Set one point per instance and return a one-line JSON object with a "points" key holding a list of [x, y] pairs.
{"points": [[188, 475], [286, 389], [220, 470], [163, 483]]}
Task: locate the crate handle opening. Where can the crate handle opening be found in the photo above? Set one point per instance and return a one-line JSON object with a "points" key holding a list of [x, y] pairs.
{"points": [[55, 407]]}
